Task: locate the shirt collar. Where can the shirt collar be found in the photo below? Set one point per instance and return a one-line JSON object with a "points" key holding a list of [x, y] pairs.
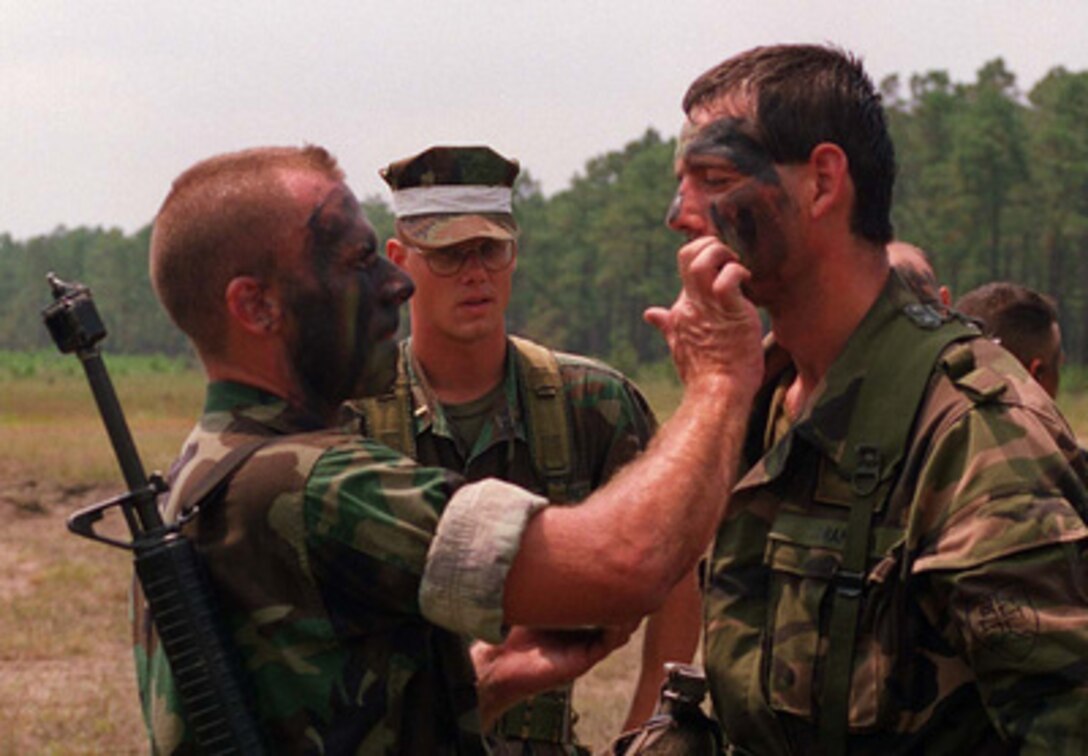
{"points": [[430, 417], [242, 401], [827, 422], [824, 423]]}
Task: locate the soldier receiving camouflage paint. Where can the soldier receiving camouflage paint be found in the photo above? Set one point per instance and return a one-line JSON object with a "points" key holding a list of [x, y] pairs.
{"points": [[474, 400], [347, 574], [902, 566]]}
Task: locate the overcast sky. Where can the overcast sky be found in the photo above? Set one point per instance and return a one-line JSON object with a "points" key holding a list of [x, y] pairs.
{"points": [[103, 103]]}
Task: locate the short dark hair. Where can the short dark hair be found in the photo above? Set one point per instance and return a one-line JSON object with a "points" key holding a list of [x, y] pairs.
{"points": [[1021, 318], [222, 218], [807, 94]]}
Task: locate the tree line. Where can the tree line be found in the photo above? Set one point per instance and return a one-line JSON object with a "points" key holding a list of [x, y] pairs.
{"points": [[992, 181]]}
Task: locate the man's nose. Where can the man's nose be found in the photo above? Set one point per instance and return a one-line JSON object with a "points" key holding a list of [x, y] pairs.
{"points": [[687, 213], [398, 286]]}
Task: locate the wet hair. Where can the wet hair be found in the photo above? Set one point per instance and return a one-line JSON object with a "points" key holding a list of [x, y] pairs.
{"points": [[803, 95], [1020, 318], [225, 217]]}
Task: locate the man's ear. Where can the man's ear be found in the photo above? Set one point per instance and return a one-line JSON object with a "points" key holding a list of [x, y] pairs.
{"points": [[830, 173], [397, 252], [946, 296], [1036, 367], [253, 305]]}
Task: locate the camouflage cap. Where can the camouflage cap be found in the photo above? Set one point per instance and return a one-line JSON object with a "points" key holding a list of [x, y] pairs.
{"points": [[445, 195]]}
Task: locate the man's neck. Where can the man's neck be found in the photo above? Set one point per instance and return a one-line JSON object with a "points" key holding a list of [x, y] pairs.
{"points": [[815, 324], [459, 372], [271, 374]]}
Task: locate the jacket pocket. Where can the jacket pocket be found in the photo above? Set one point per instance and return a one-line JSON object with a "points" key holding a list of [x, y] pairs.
{"points": [[800, 584], [803, 554]]}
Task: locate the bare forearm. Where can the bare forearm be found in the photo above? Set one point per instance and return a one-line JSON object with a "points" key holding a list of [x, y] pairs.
{"points": [[672, 634], [617, 555]]}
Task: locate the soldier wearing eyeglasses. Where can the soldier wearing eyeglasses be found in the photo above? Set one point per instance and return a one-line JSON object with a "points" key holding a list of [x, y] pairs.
{"points": [[473, 399]]}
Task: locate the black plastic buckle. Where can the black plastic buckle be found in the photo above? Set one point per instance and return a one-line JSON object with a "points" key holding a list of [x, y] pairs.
{"points": [[867, 473], [849, 584]]}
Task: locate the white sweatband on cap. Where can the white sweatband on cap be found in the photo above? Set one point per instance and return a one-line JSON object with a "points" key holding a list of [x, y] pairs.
{"points": [[432, 200]]}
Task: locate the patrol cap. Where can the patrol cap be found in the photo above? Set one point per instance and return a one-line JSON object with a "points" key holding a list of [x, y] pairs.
{"points": [[445, 195]]}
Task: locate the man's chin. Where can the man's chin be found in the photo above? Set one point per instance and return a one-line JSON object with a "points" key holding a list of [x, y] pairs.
{"points": [[379, 371]]}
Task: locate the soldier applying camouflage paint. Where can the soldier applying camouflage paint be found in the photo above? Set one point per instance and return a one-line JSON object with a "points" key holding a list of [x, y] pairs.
{"points": [[347, 574], [474, 400], [903, 567]]}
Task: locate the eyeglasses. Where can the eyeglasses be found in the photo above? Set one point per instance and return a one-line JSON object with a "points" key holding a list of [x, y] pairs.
{"points": [[494, 254]]}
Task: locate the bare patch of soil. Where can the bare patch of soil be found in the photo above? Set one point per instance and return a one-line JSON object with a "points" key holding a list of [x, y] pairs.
{"points": [[67, 683]]}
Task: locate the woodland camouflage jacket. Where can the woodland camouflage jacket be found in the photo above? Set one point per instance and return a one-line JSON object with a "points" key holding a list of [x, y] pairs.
{"points": [[973, 634], [607, 419], [317, 552]]}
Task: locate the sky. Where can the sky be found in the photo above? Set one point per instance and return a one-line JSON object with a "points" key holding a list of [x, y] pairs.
{"points": [[102, 104]]}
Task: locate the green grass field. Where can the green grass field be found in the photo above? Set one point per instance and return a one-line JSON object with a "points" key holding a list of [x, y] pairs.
{"points": [[66, 679]]}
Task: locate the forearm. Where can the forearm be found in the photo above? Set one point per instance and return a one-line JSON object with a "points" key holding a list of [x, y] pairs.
{"points": [[672, 634], [617, 556]]}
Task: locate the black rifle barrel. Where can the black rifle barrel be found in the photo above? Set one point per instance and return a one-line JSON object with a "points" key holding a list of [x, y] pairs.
{"points": [[202, 658], [124, 448]]}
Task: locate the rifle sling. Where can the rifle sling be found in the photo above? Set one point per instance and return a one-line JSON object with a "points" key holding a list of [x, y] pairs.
{"points": [[218, 477]]}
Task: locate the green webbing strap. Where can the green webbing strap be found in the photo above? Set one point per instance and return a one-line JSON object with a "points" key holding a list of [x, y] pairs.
{"points": [[549, 433], [880, 423], [389, 416], [848, 586]]}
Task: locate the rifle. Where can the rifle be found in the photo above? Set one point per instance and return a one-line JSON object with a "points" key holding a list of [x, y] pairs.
{"points": [[208, 677]]}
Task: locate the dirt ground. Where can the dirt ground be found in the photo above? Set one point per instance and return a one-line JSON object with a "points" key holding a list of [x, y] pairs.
{"points": [[66, 675]]}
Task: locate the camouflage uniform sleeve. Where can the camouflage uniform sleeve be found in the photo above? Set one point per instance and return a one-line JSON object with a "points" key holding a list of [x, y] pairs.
{"points": [[1002, 553], [638, 424], [613, 421], [370, 515], [478, 537]]}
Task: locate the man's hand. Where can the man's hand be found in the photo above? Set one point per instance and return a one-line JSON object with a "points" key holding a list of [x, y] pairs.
{"points": [[713, 331], [533, 660]]}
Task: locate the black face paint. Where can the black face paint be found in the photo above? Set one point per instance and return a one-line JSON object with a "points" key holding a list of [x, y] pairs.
{"points": [[346, 312], [392, 288], [747, 205], [674, 209], [729, 139]]}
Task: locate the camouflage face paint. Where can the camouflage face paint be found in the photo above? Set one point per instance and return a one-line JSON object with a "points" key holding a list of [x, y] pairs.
{"points": [[346, 316], [730, 140], [745, 200]]}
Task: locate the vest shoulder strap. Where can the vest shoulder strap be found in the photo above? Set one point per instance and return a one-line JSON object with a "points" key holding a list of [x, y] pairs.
{"points": [[546, 415], [879, 430], [387, 418]]}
